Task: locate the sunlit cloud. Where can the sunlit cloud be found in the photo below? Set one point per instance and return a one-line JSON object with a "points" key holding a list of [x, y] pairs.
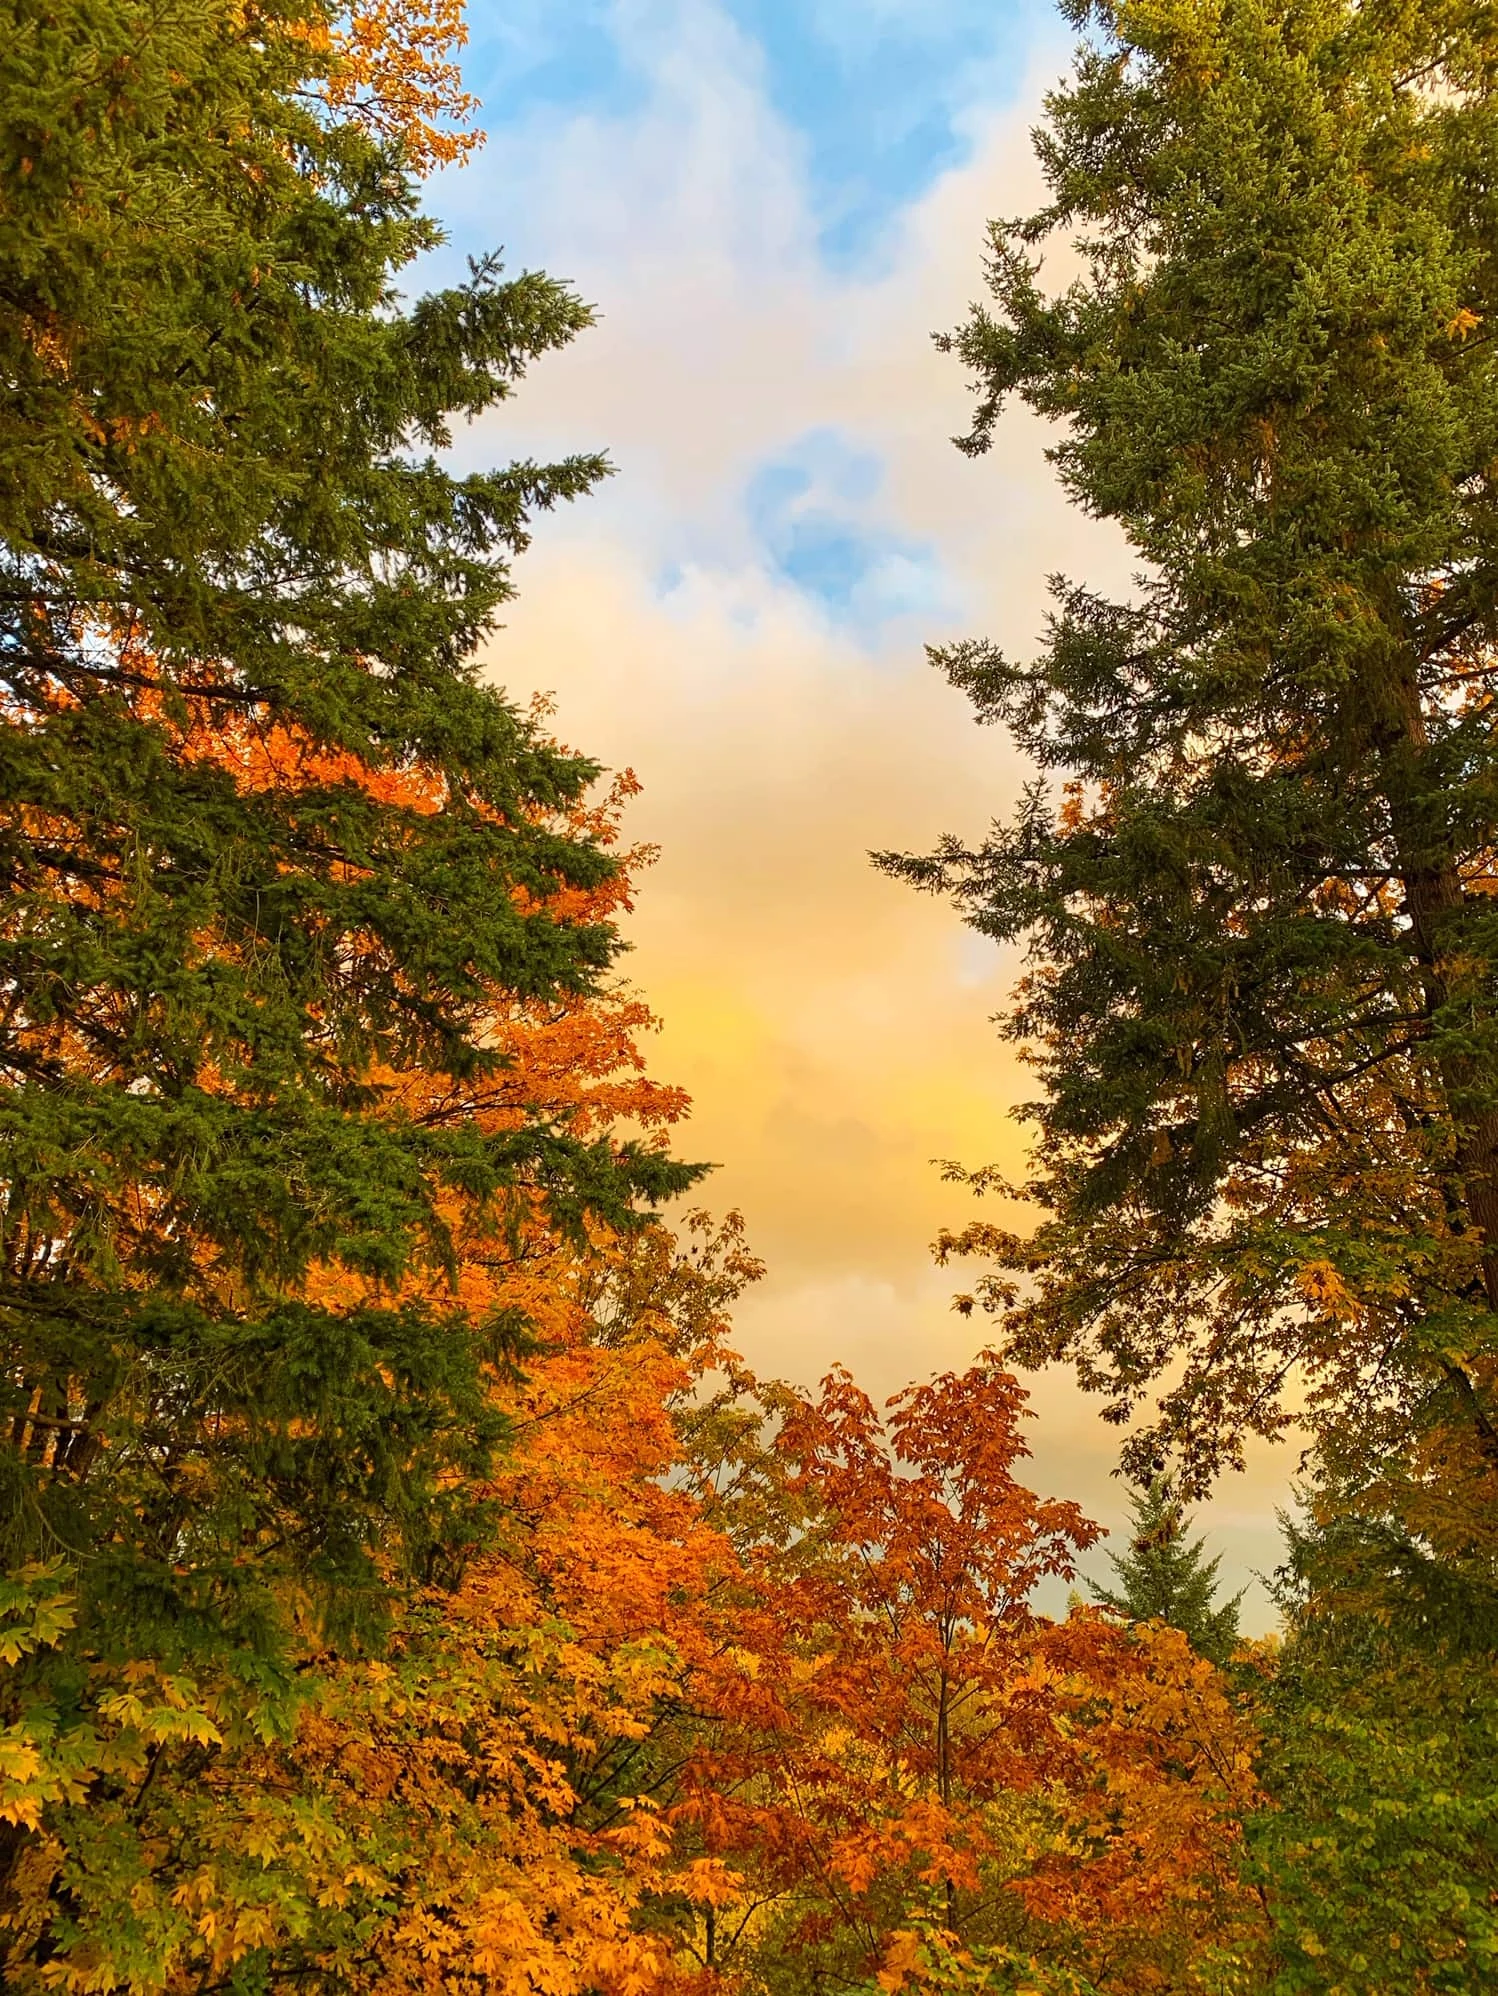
{"points": [[740, 614]]}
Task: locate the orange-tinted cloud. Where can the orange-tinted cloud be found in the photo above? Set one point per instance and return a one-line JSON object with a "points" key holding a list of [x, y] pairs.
{"points": [[832, 1026]]}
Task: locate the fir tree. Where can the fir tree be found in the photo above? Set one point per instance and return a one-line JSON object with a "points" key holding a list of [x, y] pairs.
{"points": [[268, 844], [1255, 869], [1165, 1576]]}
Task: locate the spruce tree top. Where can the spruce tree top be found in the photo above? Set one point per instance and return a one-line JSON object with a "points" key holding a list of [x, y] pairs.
{"points": [[1165, 1576]]}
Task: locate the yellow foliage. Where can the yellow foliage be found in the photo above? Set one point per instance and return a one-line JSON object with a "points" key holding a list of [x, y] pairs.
{"points": [[394, 69]]}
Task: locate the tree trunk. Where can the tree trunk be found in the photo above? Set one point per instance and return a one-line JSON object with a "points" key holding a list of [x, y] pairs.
{"points": [[1434, 898]]}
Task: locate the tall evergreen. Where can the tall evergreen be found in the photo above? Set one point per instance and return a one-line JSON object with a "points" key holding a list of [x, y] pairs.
{"points": [[1255, 870], [1165, 1576], [267, 844]]}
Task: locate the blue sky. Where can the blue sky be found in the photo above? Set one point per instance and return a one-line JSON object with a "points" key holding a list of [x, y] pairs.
{"points": [[864, 107], [879, 93]]}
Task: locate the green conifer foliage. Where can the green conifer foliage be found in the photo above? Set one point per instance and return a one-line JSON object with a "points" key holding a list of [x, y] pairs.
{"points": [[227, 547], [1165, 1576], [1265, 1002]]}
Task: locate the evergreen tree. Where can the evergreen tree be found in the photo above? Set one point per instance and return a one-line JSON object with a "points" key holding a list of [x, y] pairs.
{"points": [[268, 847], [1265, 1003], [1165, 1576]]}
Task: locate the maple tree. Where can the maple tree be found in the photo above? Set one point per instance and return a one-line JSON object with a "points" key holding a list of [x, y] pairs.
{"points": [[908, 1740], [493, 1773], [393, 65]]}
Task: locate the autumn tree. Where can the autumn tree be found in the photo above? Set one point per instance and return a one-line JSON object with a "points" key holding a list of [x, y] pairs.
{"points": [[914, 1761], [479, 1792], [497, 1777], [1260, 909], [1165, 1576], [1255, 873], [282, 878], [481, 1801]]}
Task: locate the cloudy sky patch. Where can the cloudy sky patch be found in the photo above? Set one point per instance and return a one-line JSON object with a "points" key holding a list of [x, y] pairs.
{"points": [[773, 205]]}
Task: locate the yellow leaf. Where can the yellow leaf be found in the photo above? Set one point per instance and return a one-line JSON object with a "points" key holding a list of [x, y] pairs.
{"points": [[1323, 1288]]}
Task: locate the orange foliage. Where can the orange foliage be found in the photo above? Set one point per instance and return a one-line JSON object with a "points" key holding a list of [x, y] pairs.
{"points": [[729, 1677], [394, 69], [910, 1739], [482, 1774], [496, 1755]]}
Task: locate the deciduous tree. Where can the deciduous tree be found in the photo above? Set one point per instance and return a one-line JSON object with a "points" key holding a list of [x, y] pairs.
{"points": [[1376, 1852], [911, 1742]]}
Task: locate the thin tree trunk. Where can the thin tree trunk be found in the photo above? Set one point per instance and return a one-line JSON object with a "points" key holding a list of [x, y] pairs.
{"points": [[1434, 898]]}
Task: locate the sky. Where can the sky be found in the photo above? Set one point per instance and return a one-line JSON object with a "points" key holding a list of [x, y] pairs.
{"points": [[773, 204]]}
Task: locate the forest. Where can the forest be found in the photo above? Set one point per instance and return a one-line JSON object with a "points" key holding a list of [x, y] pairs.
{"points": [[408, 1587]]}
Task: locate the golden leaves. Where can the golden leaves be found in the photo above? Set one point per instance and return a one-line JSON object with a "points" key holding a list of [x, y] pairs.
{"points": [[1325, 1291], [394, 70], [37, 1608]]}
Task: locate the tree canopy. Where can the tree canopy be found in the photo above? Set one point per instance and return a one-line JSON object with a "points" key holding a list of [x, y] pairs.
{"points": [[1254, 873], [1255, 867], [280, 874]]}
